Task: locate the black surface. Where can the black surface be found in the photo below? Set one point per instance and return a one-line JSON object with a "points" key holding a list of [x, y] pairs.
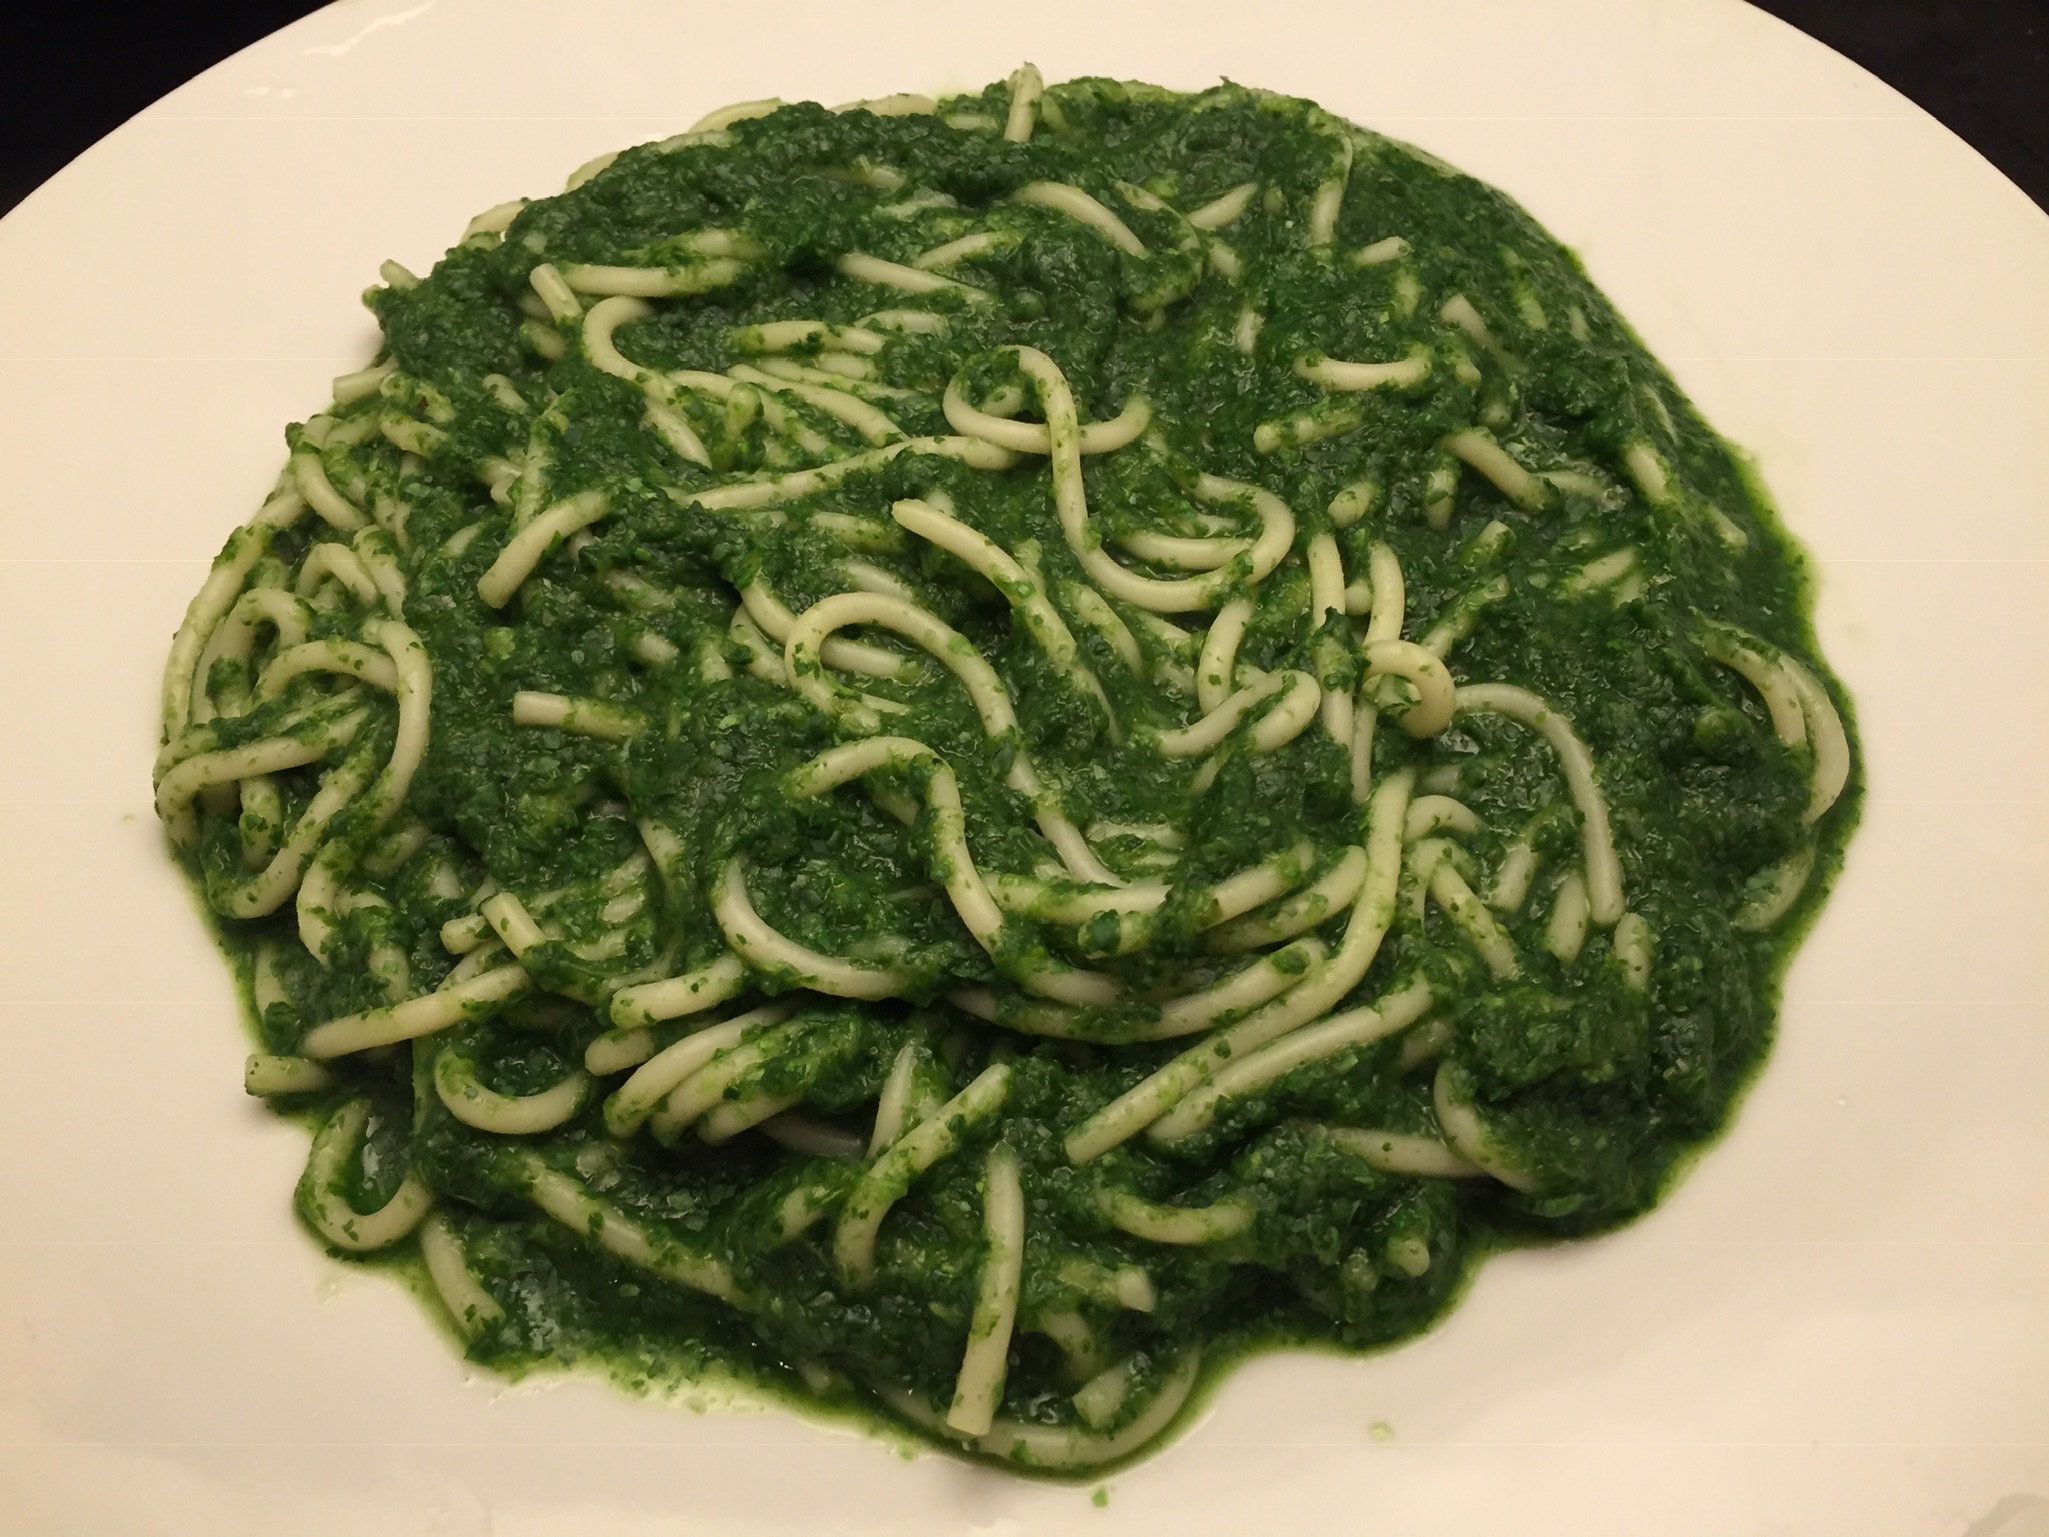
{"points": [[1981, 66]]}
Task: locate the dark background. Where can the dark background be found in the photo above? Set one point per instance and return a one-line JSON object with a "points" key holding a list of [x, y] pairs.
{"points": [[1981, 66]]}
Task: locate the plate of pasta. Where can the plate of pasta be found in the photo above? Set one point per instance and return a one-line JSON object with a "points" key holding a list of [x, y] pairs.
{"points": [[1154, 787]]}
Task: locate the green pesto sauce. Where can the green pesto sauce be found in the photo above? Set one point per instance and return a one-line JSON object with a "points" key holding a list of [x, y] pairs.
{"points": [[1599, 1091]]}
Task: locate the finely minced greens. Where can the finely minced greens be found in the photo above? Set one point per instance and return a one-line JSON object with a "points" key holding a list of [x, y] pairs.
{"points": [[612, 747]]}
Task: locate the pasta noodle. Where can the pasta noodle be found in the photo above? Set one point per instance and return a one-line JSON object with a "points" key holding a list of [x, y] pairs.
{"points": [[864, 752]]}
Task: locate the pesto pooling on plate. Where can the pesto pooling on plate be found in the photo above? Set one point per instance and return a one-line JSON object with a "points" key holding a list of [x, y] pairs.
{"points": [[964, 757]]}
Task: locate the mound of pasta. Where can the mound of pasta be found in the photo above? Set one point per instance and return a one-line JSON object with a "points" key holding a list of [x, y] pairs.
{"points": [[961, 755]]}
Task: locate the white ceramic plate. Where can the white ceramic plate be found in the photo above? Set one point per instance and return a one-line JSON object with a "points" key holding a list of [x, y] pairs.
{"points": [[1838, 1325]]}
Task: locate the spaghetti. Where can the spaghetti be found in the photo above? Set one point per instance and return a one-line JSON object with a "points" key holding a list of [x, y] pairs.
{"points": [[969, 754]]}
